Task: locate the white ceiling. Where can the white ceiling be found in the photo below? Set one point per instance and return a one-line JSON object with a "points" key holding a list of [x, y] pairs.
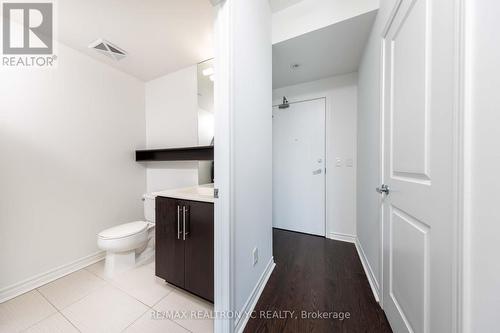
{"points": [[277, 5], [334, 50], [160, 36]]}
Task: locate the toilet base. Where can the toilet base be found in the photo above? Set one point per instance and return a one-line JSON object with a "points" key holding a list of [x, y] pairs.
{"points": [[117, 263]]}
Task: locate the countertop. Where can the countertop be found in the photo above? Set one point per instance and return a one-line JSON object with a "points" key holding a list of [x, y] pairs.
{"points": [[204, 193]]}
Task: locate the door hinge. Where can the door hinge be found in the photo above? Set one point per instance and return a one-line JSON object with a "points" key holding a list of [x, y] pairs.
{"points": [[216, 193]]}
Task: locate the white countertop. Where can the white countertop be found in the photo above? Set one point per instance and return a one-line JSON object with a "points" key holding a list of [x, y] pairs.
{"points": [[204, 193]]}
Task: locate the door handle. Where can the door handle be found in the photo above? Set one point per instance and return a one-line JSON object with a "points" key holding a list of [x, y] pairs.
{"points": [[184, 233], [317, 172], [383, 189], [178, 222]]}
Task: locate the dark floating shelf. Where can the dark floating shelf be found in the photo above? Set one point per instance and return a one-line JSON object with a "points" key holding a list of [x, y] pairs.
{"points": [[199, 153]]}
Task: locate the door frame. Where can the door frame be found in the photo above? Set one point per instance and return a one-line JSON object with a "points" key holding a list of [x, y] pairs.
{"points": [[461, 172], [224, 291], [297, 100]]}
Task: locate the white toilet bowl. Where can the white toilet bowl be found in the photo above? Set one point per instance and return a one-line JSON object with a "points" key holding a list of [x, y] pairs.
{"points": [[125, 244]]}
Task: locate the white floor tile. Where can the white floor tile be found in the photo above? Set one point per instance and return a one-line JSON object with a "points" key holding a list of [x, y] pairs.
{"points": [[195, 309], [94, 305], [146, 324], [151, 266], [98, 269], [106, 309], [54, 324], [142, 284], [24, 311], [71, 288]]}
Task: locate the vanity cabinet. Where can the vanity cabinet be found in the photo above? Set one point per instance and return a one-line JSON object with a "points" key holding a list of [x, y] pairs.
{"points": [[185, 245]]}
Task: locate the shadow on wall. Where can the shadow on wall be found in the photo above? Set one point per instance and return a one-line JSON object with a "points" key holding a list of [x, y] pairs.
{"points": [[52, 199]]}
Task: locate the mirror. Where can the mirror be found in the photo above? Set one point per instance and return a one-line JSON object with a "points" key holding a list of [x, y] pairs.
{"points": [[205, 117]]}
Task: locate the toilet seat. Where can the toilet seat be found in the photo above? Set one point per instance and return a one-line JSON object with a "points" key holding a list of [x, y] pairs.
{"points": [[124, 237], [123, 230]]}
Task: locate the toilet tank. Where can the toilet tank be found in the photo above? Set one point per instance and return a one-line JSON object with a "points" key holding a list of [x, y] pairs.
{"points": [[149, 207]]}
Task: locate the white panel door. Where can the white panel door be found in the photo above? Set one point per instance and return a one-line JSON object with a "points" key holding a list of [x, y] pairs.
{"points": [[418, 225], [299, 167]]}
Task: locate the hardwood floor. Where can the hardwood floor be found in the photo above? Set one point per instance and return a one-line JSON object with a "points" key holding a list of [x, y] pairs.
{"points": [[316, 274]]}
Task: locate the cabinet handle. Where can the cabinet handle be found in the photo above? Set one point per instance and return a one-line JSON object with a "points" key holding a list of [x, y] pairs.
{"points": [[184, 233], [178, 222]]}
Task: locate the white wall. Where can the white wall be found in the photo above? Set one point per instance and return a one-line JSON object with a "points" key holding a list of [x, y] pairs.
{"points": [[310, 15], [341, 106], [172, 121], [368, 171], [67, 171], [251, 143], [484, 233]]}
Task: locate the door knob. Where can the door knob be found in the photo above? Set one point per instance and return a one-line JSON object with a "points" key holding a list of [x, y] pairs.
{"points": [[383, 189]]}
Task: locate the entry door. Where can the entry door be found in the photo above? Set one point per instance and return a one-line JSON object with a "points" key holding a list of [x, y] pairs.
{"points": [[418, 224], [299, 167]]}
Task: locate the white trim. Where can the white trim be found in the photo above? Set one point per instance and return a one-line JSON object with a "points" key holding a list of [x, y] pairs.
{"points": [[341, 237], [368, 271], [36, 281], [254, 297], [381, 118], [462, 174], [224, 173]]}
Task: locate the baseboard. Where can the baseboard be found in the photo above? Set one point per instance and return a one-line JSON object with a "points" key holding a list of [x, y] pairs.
{"points": [[364, 261], [249, 306], [49, 276], [368, 270], [341, 237]]}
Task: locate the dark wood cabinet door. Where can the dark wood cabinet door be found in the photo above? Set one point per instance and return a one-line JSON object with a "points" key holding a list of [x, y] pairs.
{"points": [[170, 259], [199, 249]]}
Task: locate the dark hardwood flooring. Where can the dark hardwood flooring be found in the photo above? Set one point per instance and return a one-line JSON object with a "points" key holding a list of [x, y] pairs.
{"points": [[316, 274]]}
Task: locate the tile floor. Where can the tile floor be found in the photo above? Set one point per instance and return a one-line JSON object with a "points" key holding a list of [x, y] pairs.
{"points": [[86, 301]]}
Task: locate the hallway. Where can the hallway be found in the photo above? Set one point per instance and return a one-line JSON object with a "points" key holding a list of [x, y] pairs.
{"points": [[316, 274]]}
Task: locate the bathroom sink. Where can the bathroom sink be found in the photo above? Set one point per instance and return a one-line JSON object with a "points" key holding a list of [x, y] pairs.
{"points": [[200, 190], [203, 193]]}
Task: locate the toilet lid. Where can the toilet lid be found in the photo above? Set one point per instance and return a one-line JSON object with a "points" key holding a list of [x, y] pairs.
{"points": [[123, 230]]}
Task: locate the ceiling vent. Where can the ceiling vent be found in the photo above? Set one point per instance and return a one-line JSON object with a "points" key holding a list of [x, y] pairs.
{"points": [[108, 49]]}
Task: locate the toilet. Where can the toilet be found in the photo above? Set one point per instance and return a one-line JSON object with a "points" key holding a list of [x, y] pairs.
{"points": [[129, 244]]}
